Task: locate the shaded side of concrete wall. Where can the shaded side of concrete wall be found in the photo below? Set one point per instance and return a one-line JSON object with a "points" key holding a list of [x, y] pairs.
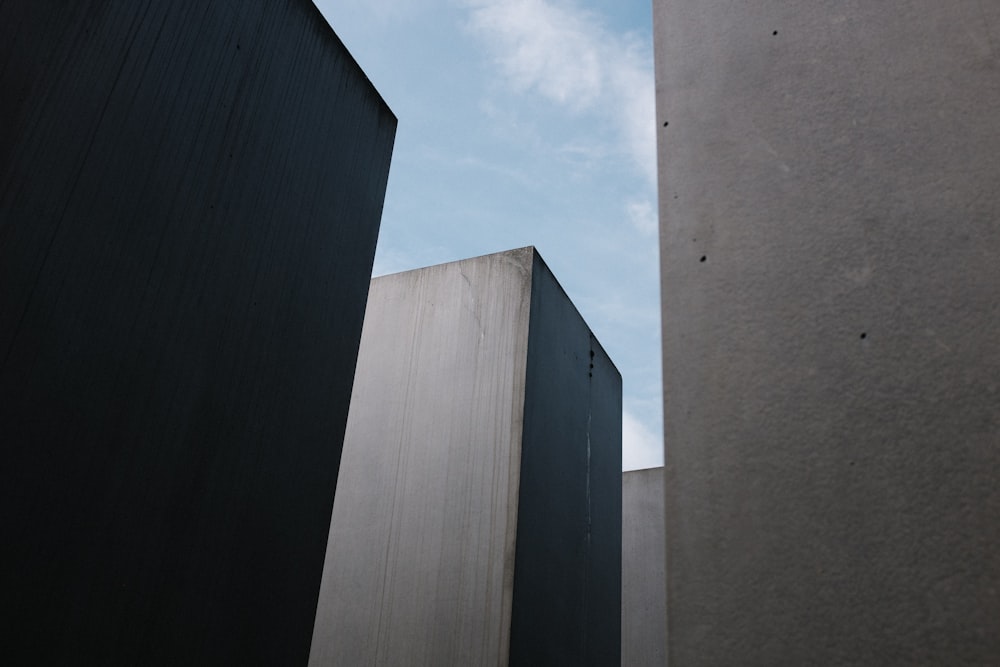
{"points": [[644, 604], [420, 561], [190, 196], [475, 401], [567, 577], [830, 228]]}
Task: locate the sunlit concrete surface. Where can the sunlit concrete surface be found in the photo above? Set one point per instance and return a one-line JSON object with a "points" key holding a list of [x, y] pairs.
{"points": [[830, 229], [478, 511]]}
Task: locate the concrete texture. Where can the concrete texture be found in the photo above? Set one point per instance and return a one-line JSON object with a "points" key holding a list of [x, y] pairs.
{"points": [[644, 602], [190, 195], [478, 512], [830, 240]]}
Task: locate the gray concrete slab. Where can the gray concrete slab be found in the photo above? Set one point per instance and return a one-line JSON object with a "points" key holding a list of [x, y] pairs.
{"points": [[644, 584], [477, 518], [190, 194], [831, 330]]}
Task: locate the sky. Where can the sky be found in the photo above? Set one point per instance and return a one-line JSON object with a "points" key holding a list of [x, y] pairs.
{"points": [[528, 122]]}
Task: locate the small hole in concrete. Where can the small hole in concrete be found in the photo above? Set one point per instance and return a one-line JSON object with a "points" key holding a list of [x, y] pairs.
{"points": [[864, 335], [703, 258], [591, 354], [775, 32], [665, 123]]}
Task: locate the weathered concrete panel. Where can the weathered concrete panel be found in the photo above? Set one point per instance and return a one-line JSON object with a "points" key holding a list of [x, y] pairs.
{"points": [[644, 602], [419, 564], [474, 382], [190, 194], [830, 235]]}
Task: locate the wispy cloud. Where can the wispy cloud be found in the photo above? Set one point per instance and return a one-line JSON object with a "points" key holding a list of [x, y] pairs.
{"points": [[545, 48], [642, 216], [641, 448], [566, 54]]}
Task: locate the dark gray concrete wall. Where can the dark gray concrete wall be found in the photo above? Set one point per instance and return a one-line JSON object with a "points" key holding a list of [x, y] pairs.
{"points": [[830, 235], [567, 576], [190, 195], [644, 600], [468, 434]]}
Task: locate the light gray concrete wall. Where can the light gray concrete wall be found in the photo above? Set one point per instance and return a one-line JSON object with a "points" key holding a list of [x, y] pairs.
{"points": [[429, 473], [644, 602], [830, 235], [442, 524]]}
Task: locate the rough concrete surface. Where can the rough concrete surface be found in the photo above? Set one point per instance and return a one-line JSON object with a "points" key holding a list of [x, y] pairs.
{"points": [[477, 519], [190, 195], [644, 603], [830, 235]]}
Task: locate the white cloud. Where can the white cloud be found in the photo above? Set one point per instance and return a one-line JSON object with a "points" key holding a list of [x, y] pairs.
{"points": [[543, 47], [632, 84], [641, 448], [565, 54], [642, 216]]}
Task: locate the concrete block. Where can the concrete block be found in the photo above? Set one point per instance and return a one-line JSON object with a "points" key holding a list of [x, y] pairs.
{"points": [[190, 194], [478, 511], [644, 584], [830, 227]]}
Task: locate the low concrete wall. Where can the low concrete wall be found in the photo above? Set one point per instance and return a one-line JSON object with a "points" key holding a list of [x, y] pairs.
{"points": [[478, 511], [644, 584], [190, 194]]}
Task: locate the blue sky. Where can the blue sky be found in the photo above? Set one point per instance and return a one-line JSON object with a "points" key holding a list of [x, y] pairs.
{"points": [[528, 122]]}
